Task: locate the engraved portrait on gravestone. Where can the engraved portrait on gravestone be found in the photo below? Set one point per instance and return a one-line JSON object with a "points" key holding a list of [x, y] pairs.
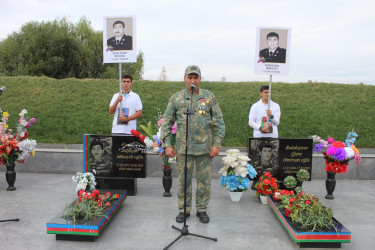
{"points": [[101, 156]]}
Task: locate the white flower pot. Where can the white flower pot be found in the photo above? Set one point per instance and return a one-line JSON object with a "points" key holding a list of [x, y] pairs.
{"points": [[235, 196], [263, 199]]}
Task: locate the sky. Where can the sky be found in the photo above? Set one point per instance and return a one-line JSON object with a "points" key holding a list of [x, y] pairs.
{"points": [[331, 41]]}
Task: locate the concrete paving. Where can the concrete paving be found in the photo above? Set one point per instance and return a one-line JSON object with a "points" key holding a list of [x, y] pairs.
{"points": [[144, 221]]}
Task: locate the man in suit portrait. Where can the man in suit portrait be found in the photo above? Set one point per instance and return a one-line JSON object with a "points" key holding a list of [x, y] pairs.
{"points": [[120, 41], [273, 53]]}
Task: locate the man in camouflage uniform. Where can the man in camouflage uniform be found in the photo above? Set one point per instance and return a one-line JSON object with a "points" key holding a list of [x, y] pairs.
{"points": [[207, 131]]}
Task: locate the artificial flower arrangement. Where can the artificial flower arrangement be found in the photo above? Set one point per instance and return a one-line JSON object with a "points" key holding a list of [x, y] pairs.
{"points": [[305, 210], [88, 205], [266, 185], [154, 143], [16, 147], [236, 173], [337, 153], [291, 182]]}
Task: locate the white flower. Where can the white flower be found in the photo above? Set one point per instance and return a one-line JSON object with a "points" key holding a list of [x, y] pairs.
{"points": [[172, 160], [230, 160], [233, 151], [155, 149], [349, 153], [223, 170], [148, 142], [241, 171]]}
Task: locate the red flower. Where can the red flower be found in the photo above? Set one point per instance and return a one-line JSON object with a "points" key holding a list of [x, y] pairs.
{"points": [[107, 204], [308, 202], [287, 212], [338, 144], [142, 138], [80, 192], [135, 133], [268, 174], [291, 200], [117, 196]]}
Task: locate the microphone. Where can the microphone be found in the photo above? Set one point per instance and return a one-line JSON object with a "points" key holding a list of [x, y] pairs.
{"points": [[192, 88], [2, 89]]}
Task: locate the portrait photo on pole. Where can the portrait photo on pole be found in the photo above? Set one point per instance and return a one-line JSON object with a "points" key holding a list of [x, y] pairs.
{"points": [[272, 51], [119, 40]]}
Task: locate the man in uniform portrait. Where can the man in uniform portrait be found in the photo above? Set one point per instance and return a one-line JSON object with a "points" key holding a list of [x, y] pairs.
{"points": [[120, 41], [273, 53]]}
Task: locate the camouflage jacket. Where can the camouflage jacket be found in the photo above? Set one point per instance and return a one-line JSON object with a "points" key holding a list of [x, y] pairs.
{"points": [[207, 126]]}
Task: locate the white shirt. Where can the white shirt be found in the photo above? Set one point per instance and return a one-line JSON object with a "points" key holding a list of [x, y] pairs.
{"points": [[259, 110], [130, 104]]}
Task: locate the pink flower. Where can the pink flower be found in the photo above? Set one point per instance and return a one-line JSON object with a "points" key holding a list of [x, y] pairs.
{"points": [[174, 128], [160, 121], [331, 150], [32, 121], [330, 140]]}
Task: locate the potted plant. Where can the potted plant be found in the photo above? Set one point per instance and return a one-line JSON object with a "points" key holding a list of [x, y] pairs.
{"points": [[290, 182], [236, 173], [337, 155], [15, 147], [266, 185]]}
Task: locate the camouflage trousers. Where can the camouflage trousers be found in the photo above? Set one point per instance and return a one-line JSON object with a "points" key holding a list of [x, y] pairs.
{"points": [[203, 164]]}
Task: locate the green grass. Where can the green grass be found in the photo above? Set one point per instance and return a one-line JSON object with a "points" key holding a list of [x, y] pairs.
{"points": [[66, 109]]}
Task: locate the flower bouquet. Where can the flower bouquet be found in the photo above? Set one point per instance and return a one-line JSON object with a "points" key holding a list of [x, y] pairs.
{"points": [[15, 147], [85, 182], [236, 173], [305, 211], [265, 186], [337, 153], [88, 205]]}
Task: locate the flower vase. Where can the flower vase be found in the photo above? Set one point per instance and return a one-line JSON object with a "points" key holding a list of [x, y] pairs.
{"points": [[167, 182], [235, 196], [330, 185], [10, 175], [263, 199]]}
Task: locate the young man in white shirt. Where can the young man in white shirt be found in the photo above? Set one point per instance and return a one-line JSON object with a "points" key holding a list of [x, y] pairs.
{"points": [[258, 116], [127, 107]]}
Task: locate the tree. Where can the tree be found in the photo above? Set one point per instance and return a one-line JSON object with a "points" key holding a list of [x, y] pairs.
{"points": [[59, 49]]}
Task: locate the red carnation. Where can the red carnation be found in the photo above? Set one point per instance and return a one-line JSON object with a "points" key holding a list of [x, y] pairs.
{"points": [[135, 133], [287, 212], [142, 138]]}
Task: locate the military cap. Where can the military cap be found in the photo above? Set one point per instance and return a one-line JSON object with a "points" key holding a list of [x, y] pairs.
{"points": [[192, 69]]}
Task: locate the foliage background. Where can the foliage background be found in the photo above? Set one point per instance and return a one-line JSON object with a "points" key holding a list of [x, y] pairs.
{"points": [[60, 49], [68, 108]]}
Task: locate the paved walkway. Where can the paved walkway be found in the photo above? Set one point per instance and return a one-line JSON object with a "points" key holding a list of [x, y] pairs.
{"points": [[145, 220]]}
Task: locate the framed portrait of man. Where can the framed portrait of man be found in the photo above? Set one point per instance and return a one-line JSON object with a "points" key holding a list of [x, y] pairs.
{"points": [[272, 51], [119, 40]]}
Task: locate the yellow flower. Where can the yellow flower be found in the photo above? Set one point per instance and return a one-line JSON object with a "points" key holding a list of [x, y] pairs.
{"points": [[5, 114], [6, 126], [32, 153], [355, 149]]}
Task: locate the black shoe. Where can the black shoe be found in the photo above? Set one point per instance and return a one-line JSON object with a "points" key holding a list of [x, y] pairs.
{"points": [[203, 217], [180, 217]]}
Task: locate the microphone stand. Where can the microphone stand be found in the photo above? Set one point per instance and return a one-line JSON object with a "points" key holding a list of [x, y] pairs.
{"points": [[184, 231], [2, 90]]}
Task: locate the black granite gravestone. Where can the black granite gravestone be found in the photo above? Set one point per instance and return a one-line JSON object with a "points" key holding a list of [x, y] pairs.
{"points": [[115, 160], [280, 156]]}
